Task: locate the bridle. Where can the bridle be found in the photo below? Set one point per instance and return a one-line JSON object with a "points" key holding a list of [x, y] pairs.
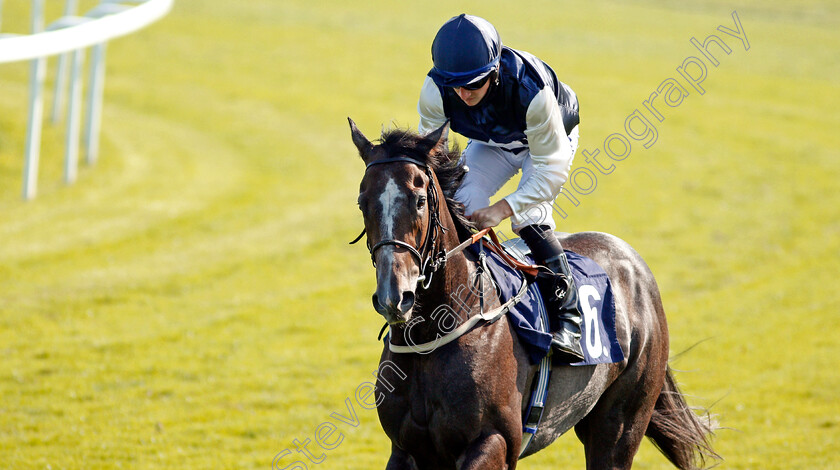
{"points": [[428, 255]]}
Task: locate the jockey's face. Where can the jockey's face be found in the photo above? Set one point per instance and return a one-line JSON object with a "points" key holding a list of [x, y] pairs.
{"points": [[473, 97]]}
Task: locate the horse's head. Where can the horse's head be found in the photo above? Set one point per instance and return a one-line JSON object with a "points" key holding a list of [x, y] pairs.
{"points": [[401, 201]]}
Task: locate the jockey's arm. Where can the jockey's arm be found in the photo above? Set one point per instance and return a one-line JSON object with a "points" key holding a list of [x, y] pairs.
{"points": [[551, 154], [432, 116], [430, 107], [549, 146]]}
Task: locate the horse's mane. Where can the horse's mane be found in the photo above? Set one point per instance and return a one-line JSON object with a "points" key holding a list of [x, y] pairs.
{"points": [[446, 163]]}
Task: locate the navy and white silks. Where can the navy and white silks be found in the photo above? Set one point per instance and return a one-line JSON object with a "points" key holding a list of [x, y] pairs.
{"points": [[528, 121]]}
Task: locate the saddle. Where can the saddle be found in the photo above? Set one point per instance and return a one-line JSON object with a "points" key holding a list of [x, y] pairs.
{"points": [[505, 262]]}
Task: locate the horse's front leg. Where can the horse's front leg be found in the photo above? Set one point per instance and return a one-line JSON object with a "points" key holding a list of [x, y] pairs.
{"points": [[400, 460], [489, 451]]}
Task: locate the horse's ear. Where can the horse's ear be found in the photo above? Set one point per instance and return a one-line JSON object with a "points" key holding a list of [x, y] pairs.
{"points": [[362, 143], [440, 138]]}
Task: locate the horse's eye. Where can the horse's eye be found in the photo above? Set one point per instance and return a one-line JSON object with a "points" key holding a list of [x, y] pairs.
{"points": [[421, 201]]}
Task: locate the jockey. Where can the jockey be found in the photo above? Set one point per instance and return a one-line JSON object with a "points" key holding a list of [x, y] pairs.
{"points": [[517, 116]]}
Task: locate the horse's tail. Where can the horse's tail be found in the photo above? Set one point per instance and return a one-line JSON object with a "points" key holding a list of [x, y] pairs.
{"points": [[679, 433]]}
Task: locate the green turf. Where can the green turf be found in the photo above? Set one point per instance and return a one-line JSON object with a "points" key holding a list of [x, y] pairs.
{"points": [[191, 302]]}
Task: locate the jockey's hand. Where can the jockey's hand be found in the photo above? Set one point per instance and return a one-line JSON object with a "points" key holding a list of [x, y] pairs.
{"points": [[491, 216]]}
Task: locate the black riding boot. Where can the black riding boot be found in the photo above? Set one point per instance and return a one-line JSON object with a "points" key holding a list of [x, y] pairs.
{"points": [[562, 300]]}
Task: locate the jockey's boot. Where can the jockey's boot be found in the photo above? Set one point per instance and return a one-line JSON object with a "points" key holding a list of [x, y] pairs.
{"points": [[566, 340], [560, 288]]}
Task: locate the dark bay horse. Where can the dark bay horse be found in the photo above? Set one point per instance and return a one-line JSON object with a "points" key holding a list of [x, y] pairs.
{"points": [[460, 405]]}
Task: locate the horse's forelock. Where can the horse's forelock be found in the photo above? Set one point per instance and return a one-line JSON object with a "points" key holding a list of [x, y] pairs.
{"points": [[445, 162]]}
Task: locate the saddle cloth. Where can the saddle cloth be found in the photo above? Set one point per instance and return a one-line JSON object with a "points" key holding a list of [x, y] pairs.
{"points": [[595, 301]]}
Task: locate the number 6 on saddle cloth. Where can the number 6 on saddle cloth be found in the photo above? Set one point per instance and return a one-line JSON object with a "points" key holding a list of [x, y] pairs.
{"points": [[595, 297]]}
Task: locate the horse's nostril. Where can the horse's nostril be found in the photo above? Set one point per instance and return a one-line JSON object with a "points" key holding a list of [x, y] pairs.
{"points": [[407, 301], [393, 306]]}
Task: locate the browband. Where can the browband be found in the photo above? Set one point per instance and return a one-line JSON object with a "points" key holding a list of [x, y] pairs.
{"points": [[397, 159]]}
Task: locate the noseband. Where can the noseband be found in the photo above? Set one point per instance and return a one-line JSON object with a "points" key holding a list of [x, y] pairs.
{"points": [[427, 255]]}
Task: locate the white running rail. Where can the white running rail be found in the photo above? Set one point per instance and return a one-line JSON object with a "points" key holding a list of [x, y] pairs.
{"points": [[70, 33]]}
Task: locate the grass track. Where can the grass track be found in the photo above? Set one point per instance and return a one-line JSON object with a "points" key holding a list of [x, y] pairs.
{"points": [[191, 301]]}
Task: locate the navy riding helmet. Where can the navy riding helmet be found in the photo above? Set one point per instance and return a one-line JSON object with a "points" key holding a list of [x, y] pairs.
{"points": [[465, 50]]}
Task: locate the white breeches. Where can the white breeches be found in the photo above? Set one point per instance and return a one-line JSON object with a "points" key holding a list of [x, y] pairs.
{"points": [[490, 167]]}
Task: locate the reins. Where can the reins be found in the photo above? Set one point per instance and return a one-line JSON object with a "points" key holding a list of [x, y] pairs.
{"points": [[496, 247], [432, 261], [490, 317]]}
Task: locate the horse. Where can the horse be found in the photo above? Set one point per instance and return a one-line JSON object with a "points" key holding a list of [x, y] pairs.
{"points": [[460, 405]]}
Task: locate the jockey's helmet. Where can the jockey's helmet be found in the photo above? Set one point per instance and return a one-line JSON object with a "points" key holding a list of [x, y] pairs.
{"points": [[465, 50]]}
